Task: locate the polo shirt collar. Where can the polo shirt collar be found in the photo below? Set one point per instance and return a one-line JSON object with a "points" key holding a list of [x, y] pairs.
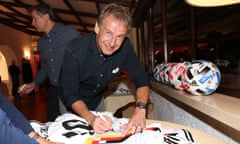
{"points": [[53, 31], [93, 46]]}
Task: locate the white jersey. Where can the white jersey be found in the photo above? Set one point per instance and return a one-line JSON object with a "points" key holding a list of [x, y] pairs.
{"points": [[67, 128], [72, 129]]}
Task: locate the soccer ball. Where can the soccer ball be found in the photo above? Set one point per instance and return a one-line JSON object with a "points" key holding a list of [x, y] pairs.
{"points": [[203, 77], [177, 75], [156, 72], [164, 72], [160, 73]]}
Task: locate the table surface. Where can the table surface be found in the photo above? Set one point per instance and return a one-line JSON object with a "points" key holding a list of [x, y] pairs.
{"points": [[200, 136]]}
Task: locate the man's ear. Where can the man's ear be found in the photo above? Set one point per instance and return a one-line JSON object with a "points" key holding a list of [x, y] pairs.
{"points": [[96, 28], [46, 16]]}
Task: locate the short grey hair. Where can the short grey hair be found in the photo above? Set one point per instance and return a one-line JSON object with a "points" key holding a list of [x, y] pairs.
{"points": [[118, 11]]}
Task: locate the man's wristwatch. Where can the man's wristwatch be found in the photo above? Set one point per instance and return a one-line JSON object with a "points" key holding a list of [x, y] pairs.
{"points": [[141, 105]]}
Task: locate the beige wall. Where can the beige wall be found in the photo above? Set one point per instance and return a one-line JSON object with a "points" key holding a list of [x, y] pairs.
{"points": [[14, 39], [12, 43]]}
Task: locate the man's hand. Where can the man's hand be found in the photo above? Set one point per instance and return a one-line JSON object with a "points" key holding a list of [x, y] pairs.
{"points": [[26, 88], [44, 141], [137, 123], [102, 124], [99, 124], [138, 120], [40, 139]]}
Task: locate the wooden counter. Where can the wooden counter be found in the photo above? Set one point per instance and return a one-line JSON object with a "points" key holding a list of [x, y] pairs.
{"points": [[220, 111], [200, 136]]}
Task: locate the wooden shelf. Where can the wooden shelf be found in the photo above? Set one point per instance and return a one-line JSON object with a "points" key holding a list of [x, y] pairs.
{"points": [[218, 110]]}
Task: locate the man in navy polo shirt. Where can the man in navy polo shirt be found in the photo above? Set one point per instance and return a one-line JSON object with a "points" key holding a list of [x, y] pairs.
{"points": [[92, 61], [51, 47]]}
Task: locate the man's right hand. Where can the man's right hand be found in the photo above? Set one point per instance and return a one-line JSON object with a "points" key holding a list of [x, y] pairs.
{"points": [[102, 124], [26, 88]]}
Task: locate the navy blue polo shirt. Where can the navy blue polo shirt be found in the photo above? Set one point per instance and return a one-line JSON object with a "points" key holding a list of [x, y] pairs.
{"points": [[86, 72], [51, 48]]}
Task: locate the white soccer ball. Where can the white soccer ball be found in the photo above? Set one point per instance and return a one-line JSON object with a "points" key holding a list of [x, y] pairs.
{"points": [[203, 77], [160, 73], [164, 74], [156, 72], [177, 75]]}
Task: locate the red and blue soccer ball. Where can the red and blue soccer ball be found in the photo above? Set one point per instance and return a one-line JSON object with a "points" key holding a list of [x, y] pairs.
{"points": [[177, 75], [161, 73], [203, 77]]}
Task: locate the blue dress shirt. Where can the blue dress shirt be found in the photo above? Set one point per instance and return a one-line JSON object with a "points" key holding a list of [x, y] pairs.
{"points": [[14, 127]]}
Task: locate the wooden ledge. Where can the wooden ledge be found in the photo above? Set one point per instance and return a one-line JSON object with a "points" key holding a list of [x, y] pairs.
{"points": [[218, 110]]}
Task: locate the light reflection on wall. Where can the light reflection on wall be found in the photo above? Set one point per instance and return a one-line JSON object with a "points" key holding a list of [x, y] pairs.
{"points": [[27, 53], [3, 67]]}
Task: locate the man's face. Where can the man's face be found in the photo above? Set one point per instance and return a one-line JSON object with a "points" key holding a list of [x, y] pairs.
{"points": [[39, 21], [110, 35]]}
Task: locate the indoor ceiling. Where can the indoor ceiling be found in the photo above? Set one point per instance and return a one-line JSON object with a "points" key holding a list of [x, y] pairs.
{"points": [[82, 15]]}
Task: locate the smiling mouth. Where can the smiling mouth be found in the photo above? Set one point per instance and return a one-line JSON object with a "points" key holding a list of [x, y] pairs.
{"points": [[108, 51], [108, 47]]}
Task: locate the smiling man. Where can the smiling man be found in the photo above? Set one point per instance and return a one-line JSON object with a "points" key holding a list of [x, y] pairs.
{"points": [[92, 61]]}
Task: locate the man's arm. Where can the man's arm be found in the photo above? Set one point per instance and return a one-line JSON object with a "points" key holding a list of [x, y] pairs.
{"points": [[34, 136], [141, 80], [16, 117], [42, 74], [81, 109], [142, 94], [138, 120], [98, 124], [9, 134]]}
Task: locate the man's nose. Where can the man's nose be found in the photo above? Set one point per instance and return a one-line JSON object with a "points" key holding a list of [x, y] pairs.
{"points": [[113, 41], [33, 23]]}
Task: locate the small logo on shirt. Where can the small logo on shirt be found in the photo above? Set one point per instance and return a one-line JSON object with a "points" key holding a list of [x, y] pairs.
{"points": [[116, 70]]}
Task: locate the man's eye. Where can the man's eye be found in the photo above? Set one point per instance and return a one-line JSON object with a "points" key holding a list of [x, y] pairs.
{"points": [[120, 37]]}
